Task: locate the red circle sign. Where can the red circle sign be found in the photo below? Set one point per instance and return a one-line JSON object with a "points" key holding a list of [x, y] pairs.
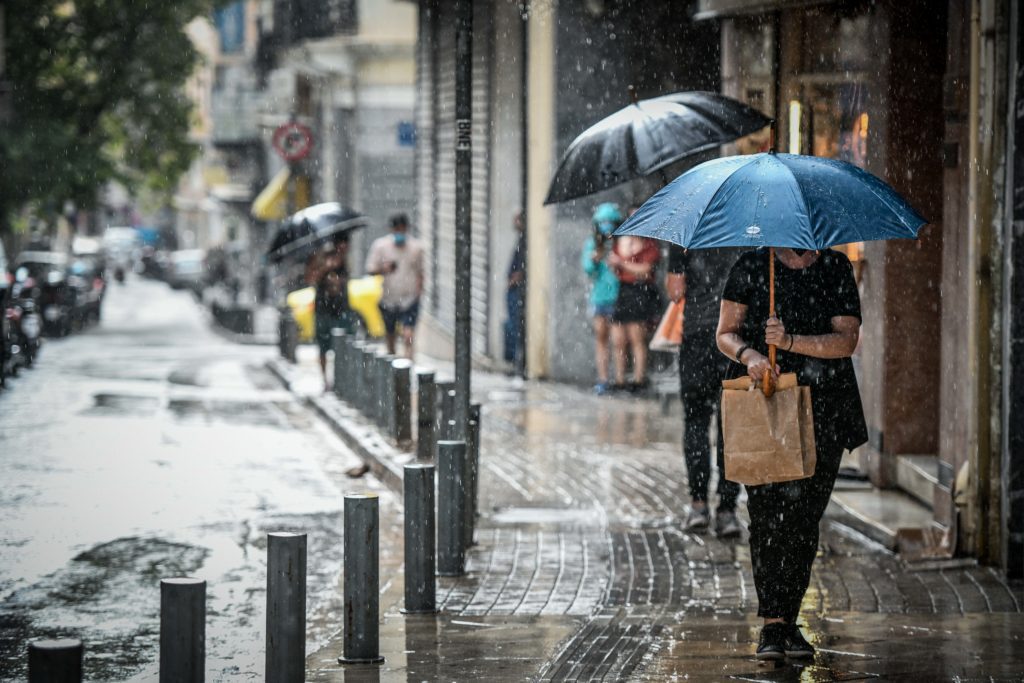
{"points": [[293, 141]]}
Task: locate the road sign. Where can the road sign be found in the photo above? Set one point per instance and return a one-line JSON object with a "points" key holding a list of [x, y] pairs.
{"points": [[293, 141]]}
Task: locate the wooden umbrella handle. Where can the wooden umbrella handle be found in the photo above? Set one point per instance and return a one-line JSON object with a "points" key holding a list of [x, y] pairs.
{"points": [[768, 381]]}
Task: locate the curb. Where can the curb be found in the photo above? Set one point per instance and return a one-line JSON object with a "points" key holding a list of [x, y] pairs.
{"points": [[384, 459]]}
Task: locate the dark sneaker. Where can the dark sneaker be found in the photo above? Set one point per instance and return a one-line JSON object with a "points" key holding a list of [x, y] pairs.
{"points": [[795, 645], [771, 644], [697, 521], [727, 525]]}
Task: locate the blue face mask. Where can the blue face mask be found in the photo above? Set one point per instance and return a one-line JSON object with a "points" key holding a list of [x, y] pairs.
{"points": [[399, 239]]}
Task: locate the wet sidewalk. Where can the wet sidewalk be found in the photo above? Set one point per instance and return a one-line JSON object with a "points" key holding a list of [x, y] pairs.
{"points": [[581, 570]]}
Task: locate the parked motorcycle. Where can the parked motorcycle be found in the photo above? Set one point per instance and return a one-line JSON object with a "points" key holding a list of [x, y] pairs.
{"points": [[22, 315]]}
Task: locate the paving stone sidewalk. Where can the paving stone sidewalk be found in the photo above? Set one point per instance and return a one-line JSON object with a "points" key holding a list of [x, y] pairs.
{"points": [[581, 500]]}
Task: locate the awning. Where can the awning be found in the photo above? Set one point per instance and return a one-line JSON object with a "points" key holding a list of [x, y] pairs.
{"points": [[272, 203]]}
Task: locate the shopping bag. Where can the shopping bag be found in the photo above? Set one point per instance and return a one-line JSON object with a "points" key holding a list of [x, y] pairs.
{"points": [[669, 334], [767, 439]]}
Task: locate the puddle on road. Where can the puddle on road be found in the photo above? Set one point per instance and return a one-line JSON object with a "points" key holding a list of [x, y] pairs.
{"points": [[235, 412], [122, 404], [115, 578]]}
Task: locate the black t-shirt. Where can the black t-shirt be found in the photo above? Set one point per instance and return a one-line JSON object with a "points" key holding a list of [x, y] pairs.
{"points": [[706, 271], [806, 300], [331, 305]]}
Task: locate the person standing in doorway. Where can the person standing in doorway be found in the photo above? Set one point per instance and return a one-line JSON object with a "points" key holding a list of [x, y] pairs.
{"points": [[604, 285], [398, 257], [697, 278], [515, 300]]}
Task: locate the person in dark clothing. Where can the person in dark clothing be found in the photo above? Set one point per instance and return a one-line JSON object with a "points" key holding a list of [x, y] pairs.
{"points": [[515, 300], [815, 330], [697, 277], [328, 272]]}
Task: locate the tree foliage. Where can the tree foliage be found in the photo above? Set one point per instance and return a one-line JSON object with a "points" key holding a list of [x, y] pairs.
{"points": [[97, 93]]}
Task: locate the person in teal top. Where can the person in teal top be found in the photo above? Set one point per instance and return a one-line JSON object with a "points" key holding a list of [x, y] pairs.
{"points": [[604, 285]]}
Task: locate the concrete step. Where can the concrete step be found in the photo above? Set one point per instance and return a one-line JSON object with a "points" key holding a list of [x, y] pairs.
{"points": [[918, 475], [879, 514]]}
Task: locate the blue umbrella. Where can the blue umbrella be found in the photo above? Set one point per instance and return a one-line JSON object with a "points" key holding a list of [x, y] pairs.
{"points": [[774, 200]]}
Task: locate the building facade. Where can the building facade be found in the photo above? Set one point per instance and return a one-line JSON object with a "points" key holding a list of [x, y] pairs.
{"points": [[924, 95], [542, 74]]}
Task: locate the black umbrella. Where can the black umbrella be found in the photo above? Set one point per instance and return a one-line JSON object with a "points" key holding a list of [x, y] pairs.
{"points": [[304, 232], [647, 136]]}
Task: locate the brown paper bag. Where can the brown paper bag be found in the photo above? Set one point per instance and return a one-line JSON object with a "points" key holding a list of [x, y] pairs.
{"points": [[767, 439]]}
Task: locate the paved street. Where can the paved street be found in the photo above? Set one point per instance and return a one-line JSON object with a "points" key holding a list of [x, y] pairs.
{"points": [[148, 447]]}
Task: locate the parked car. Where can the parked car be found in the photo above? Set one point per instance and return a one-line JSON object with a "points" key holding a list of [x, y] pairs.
{"points": [[363, 296], [48, 271], [188, 270], [88, 285]]}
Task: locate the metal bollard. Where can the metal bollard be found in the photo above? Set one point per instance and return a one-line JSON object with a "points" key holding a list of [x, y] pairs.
{"points": [[182, 630], [400, 415], [287, 333], [359, 387], [420, 544], [451, 552], [362, 580], [55, 661], [343, 383], [426, 411], [286, 608], [338, 339], [369, 382], [446, 411], [387, 393], [472, 472]]}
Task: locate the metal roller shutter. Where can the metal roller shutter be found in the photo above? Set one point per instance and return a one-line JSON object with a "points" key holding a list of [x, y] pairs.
{"points": [[425, 144], [442, 211], [483, 58], [443, 302]]}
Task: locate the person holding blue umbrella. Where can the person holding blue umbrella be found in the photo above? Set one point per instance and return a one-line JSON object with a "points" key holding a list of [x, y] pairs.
{"points": [[790, 304]]}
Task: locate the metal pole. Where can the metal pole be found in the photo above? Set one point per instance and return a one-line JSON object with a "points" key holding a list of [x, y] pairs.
{"points": [[286, 608], [401, 401], [362, 580], [446, 415], [338, 341], [426, 411], [383, 388], [420, 544], [451, 553], [463, 198], [350, 363], [369, 383], [55, 661], [471, 473], [182, 630], [287, 333]]}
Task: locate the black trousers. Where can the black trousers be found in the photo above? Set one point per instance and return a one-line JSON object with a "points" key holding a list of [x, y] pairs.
{"points": [[701, 369], [699, 404], [784, 521]]}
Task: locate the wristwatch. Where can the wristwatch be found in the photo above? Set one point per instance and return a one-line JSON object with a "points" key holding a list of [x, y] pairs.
{"points": [[739, 354]]}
